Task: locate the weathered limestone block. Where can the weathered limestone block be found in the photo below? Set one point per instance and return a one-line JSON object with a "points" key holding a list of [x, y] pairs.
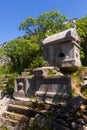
{"points": [[22, 87], [71, 107], [54, 89], [25, 74], [44, 71], [62, 49]]}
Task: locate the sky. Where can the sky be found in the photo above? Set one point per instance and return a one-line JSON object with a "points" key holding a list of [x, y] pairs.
{"points": [[13, 12]]}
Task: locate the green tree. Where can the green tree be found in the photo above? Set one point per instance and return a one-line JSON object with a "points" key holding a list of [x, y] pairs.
{"points": [[46, 24], [24, 53], [82, 31]]}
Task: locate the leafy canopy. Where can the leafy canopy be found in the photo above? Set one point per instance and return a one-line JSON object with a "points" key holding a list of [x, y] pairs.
{"points": [[22, 53], [46, 23], [26, 52], [82, 31]]}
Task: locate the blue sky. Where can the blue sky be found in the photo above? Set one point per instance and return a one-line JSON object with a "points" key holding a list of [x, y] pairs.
{"points": [[13, 12]]}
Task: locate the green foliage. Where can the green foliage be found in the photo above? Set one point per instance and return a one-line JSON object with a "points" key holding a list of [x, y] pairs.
{"points": [[38, 62], [37, 126], [38, 28], [78, 73], [2, 70], [9, 89], [84, 91], [22, 53], [51, 73], [46, 23], [82, 31], [73, 91], [2, 52], [26, 52], [45, 125]]}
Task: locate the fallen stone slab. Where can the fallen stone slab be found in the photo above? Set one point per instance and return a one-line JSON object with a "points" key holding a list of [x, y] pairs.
{"points": [[71, 107]]}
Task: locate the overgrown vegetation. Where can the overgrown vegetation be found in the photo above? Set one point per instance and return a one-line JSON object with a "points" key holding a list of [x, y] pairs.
{"points": [[40, 124], [84, 91], [82, 31], [25, 52], [9, 89], [45, 24], [73, 91]]}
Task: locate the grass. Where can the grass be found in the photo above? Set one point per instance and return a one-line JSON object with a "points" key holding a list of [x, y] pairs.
{"points": [[51, 73], [84, 91], [73, 91]]}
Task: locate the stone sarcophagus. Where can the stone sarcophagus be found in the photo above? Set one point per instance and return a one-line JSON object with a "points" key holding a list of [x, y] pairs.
{"points": [[47, 88], [62, 49], [54, 89]]}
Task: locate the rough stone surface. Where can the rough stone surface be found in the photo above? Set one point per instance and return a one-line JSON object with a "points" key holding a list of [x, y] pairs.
{"points": [[54, 90], [45, 71], [71, 107], [62, 49], [48, 89], [62, 36]]}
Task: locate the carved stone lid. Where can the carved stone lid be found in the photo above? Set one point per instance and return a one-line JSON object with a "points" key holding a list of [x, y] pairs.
{"points": [[62, 36]]}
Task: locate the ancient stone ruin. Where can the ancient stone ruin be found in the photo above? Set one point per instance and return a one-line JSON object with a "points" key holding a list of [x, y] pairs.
{"points": [[62, 49], [54, 89], [45, 96]]}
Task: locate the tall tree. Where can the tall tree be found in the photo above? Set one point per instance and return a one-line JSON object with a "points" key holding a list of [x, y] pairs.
{"points": [[82, 30], [46, 23], [22, 53]]}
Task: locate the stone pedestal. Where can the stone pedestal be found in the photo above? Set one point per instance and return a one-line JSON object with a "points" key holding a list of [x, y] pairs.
{"points": [[53, 89]]}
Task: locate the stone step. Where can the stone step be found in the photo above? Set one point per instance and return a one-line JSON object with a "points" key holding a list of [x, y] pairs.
{"points": [[20, 102], [15, 116], [21, 110], [8, 121], [6, 127], [35, 104], [14, 124], [30, 112]]}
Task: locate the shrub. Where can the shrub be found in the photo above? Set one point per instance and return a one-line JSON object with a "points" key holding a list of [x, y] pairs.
{"points": [[9, 89]]}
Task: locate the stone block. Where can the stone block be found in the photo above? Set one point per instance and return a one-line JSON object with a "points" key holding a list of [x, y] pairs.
{"points": [[54, 90], [43, 71], [62, 49], [71, 107], [47, 89]]}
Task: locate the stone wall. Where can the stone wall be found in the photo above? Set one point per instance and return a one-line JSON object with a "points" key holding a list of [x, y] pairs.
{"points": [[48, 89]]}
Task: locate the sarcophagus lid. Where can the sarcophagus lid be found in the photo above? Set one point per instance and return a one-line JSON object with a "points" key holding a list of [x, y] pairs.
{"points": [[63, 36]]}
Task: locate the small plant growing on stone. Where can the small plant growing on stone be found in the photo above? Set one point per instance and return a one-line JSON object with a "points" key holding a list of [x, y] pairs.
{"points": [[41, 125], [73, 91], [51, 73], [84, 91]]}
